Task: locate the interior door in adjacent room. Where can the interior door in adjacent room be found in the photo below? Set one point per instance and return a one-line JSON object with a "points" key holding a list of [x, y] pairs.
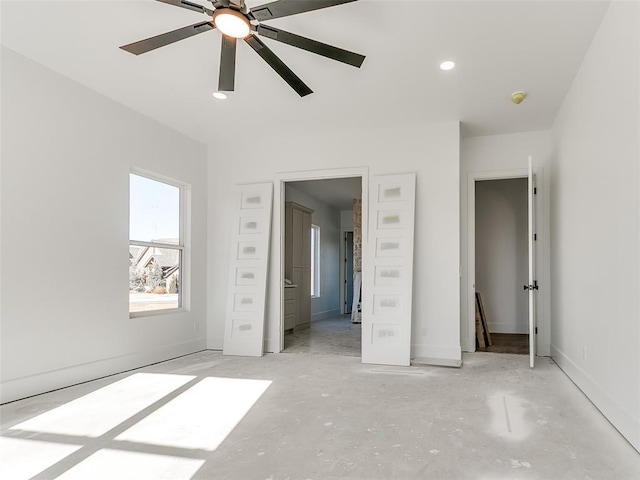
{"points": [[348, 272], [533, 283]]}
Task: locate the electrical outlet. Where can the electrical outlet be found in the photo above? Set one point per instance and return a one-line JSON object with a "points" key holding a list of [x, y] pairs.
{"points": [[196, 326], [584, 352], [424, 331]]}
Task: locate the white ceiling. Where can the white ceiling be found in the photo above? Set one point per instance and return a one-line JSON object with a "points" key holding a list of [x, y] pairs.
{"points": [[499, 47], [337, 192]]}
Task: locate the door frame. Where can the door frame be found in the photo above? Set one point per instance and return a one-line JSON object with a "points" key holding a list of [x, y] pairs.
{"points": [[278, 225], [468, 323]]}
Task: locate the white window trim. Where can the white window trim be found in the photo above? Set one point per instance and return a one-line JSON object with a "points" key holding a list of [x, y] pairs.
{"points": [[183, 292], [315, 231]]}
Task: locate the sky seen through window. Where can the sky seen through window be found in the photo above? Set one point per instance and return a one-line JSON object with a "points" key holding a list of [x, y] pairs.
{"points": [[154, 210]]}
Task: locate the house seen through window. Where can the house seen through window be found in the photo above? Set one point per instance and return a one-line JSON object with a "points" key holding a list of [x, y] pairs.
{"points": [[155, 245]]}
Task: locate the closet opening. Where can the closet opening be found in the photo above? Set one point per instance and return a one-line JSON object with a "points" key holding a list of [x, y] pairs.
{"points": [[501, 266]]}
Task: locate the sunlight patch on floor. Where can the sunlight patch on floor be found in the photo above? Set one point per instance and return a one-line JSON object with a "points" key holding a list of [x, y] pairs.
{"points": [[201, 417], [98, 412], [122, 465], [22, 459]]}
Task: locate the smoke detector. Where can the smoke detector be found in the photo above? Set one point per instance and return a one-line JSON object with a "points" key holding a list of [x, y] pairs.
{"points": [[518, 97]]}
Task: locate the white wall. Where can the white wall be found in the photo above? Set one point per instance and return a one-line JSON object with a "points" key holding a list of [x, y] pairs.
{"points": [[499, 156], [502, 253], [346, 220], [595, 223], [66, 155], [328, 219], [431, 150]]}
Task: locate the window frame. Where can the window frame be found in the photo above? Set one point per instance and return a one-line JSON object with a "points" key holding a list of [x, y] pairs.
{"points": [[315, 261], [180, 246]]}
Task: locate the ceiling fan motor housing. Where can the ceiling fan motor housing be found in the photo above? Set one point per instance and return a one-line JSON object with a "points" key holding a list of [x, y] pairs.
{"points": [[238, 5]]}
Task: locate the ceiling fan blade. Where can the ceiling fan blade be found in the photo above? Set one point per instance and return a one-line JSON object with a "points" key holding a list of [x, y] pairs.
{"points": [[144, 46], [278, 65], [226, 80], [189, 6], [284, 8], [309, 45]]}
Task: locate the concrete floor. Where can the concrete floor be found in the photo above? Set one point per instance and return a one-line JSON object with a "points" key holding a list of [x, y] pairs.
{"points": [[335, 336], [316, 417]]}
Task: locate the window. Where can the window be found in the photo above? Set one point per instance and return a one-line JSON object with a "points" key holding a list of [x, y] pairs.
{"points": [[156, 244], [315, 261]]}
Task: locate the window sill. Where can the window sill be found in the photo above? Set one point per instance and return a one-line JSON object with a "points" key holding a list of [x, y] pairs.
{"points": [[153, 313]]}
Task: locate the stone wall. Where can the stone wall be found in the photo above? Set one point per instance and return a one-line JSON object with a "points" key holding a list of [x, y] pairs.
{"points": [[357, 235], [356, 315]]}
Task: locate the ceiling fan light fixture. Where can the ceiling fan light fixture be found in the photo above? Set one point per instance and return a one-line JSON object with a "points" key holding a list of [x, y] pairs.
{"points": [[231, 22]]}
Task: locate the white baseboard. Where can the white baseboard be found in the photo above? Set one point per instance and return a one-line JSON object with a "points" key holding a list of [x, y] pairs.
{"points": [[325, 314], [445, 353], [505, 327], [271, 345], [435, 362], [21, 387], [622, 420]]}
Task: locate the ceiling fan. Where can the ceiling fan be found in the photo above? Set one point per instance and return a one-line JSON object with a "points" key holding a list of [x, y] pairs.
{"points": [[236, 21]]}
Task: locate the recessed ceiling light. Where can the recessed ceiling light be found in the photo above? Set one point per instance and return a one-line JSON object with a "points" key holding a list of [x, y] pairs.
{"points": [[219, 95], [448, 65]]}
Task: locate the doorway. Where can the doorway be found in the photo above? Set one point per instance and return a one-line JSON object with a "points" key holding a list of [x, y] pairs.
{"points": [[501, 265], [538, 261], [317, 213]]}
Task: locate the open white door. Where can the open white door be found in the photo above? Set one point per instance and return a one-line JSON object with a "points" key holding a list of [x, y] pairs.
{"points": [[388, 271], [244, 323], [533, 284]]}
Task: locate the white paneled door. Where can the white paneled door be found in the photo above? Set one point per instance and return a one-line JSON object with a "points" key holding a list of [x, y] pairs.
{"points": [[244, 323], [388, 271], [533, 284]]}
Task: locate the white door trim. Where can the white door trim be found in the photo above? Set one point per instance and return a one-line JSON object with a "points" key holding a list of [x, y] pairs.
{"points": [[278, 225], [468, 323]]}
